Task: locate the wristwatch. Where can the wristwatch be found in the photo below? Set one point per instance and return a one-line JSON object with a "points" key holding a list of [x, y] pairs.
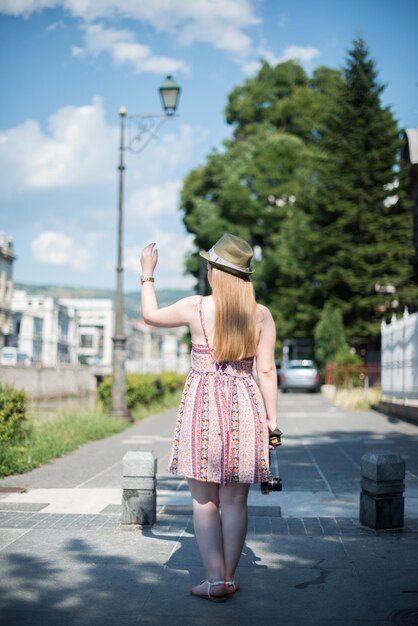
{"points": [[147, 279]]}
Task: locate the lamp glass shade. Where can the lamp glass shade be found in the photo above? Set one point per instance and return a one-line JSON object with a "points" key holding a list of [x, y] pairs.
{"points": [[170, 93]]}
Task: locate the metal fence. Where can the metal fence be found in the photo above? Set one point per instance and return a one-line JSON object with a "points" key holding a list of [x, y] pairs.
{"points": [[400, 357], [348, 376]]}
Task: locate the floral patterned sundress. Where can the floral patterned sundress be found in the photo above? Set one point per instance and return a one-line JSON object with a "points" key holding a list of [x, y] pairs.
{"points": [[221, 431]]}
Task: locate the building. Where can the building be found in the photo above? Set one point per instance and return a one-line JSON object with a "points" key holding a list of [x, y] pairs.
{"points": [[7, 257], [95, 329], [50, 332], [152, 349], [44, 330]]}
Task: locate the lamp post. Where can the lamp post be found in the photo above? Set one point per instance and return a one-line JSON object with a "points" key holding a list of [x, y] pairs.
{"points": [[145, 128]]}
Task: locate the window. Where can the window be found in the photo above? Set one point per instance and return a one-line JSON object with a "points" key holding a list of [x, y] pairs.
{"points": [[86, 341]]}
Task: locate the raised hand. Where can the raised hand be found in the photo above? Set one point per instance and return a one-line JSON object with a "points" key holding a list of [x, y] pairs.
{"points": [[149, 259]]}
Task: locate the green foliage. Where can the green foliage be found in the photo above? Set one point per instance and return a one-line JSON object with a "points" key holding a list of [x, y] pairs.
{"points": [[142, 389], [14, 429], [329, 334], [66, 431], [347, 366], [12, 415], [310, 177], [263, 185], [344, 356], [362, 225], [170, 382]]}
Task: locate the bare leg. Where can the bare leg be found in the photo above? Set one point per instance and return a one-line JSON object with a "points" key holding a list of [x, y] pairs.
{"points": [[208, 531], [234, 520]]}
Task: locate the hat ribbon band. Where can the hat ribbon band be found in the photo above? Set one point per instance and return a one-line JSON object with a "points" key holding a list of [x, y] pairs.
{"points": [[218, 259]]}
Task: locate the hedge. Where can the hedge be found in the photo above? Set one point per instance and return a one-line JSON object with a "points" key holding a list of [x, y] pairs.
{"points": [[14, 429], [142, 389]]}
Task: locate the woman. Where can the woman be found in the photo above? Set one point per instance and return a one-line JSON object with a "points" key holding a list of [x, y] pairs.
{"points": [[221, 441]]}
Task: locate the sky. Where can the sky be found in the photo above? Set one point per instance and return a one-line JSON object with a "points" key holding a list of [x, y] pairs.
{"points": [[68, 65]]}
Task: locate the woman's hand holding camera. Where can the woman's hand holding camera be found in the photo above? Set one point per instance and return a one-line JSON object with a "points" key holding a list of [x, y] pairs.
{"points": [[275, 438]]}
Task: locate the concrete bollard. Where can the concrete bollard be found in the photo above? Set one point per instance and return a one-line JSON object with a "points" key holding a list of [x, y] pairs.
{"points": [[139, 497], [382, 485]]}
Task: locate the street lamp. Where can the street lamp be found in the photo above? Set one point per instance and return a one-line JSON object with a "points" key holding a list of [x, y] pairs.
{"points": [[145, 128]]}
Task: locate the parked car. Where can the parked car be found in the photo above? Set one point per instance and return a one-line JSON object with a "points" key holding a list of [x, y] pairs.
{"points": [[300, 375]]}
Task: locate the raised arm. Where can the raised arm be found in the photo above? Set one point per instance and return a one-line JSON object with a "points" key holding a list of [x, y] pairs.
{"points": [[178, 314], [266, 367]]}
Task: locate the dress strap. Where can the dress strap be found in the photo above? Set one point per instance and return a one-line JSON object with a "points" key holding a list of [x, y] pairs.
{"points": [[202, 321]]}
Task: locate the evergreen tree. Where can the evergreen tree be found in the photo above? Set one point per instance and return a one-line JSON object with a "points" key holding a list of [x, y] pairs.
{"points": [[329, 335], [362, 226]]}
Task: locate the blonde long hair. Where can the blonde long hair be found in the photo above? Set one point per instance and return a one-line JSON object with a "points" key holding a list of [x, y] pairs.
{"points": [[235, 317]]}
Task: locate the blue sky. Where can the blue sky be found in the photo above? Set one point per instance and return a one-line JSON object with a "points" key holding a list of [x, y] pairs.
{"points": [[67, 66]]}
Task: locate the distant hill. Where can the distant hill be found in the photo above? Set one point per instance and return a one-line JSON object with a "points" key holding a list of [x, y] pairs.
{"points": [[131, 298]]}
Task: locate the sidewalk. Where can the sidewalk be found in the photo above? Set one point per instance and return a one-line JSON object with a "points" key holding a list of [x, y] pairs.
{"points": [[65, 560]]}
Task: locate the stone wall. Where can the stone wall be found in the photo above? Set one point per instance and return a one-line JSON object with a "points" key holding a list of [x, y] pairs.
{"points": [[408, 413], [49, 382]]}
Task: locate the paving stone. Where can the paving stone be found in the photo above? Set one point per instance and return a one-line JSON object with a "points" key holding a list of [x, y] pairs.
{"points": [[317, 567]]}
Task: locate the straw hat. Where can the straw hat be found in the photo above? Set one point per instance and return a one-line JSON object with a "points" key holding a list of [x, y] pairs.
{"points": [[230, 254]]}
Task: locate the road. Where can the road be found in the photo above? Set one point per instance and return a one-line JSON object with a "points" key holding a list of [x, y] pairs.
{"points": [[319, 463], [65, 559]]}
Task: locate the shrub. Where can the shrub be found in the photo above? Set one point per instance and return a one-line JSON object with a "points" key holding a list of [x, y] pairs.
{"points": [[14, 430], [171, 381], [142, 389], [344, 356], [329, 334], [347, 367], [12, 415]]}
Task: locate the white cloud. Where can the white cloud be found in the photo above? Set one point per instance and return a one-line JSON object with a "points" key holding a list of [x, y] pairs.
{"points": [[156, 201], [55, 25], [298, 53], [77, 52], [123, 48], [55, 248], [79, 149], [168, 152], [25, 7], [221, 23]]}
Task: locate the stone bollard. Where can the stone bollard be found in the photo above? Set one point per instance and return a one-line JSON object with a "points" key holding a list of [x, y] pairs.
{"points": [[382, 487], [139, 497]]}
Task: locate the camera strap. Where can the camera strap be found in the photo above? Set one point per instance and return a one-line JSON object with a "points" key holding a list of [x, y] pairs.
{"points": [[274, 462]]}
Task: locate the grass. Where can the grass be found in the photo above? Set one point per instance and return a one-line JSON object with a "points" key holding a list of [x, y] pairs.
{"points": [[355, 399], [67, 430]]}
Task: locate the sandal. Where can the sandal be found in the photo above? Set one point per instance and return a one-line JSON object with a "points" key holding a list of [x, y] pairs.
{"points": [[233, 584], [207, 595]]}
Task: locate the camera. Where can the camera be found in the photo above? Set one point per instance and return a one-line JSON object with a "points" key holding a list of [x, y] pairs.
{"points": [[274, 483]]}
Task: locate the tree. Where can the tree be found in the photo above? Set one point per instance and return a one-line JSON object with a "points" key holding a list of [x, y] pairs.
{"points": [[262, 186], [329, 335], [283, 98], [362, 226]]}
